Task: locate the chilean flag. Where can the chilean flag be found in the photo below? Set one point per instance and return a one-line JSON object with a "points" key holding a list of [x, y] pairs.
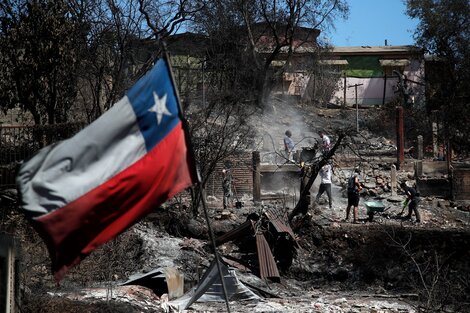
{"points": [[86, 190]]}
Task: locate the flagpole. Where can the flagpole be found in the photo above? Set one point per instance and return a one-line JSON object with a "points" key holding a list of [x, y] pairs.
{"points": [[196, 174]]}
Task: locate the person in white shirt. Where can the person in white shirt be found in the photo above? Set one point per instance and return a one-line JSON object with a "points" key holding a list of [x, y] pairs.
{"points": [[325, 185], [326, 141]]}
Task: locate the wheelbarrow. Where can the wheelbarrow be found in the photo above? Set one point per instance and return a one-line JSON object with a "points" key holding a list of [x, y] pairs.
{"points": [[372, 207]]}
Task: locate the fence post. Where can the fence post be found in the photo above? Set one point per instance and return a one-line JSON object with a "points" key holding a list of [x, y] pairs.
{"points": [[9, 256], [420, 147], [256, 176], [393, 183]]}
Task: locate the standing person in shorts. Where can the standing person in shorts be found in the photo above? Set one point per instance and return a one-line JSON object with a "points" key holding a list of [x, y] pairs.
{"points": [[354, 187]]}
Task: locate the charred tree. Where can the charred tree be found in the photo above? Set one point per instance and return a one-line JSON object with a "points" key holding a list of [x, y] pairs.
{"points": [[302, 205]]}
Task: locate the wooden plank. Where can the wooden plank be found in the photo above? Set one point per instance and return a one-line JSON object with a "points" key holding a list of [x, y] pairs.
{"points": [[272, 168]]}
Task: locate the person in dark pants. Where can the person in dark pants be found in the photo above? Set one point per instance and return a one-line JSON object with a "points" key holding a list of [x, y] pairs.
{"points": [[412, 197], [354, 187], [325, 185], [288, 145], [226, 186]]}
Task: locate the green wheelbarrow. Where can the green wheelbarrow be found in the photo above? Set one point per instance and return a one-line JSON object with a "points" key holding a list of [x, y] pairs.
{"points": [[372, 207]]}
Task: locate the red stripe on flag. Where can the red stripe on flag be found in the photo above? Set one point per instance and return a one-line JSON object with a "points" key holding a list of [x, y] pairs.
{"points": [[74, 231]]}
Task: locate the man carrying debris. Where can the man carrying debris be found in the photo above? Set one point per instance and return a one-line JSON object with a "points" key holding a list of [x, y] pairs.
{"points": [[226, 186], [325, 185], [288, 145], [354, 187], [412, 200]]}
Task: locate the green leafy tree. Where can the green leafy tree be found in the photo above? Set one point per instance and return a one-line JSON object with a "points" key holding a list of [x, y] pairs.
{"points": [[444, 31]]}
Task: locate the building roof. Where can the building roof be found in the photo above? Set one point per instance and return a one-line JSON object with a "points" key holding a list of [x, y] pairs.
{"points": [[376, 50]]}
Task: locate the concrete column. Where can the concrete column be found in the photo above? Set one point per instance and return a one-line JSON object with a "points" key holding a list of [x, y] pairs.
{"points": [[418, 169], [256, 176], [385, 89], [393, 183], [400, 137], [420, 147]]}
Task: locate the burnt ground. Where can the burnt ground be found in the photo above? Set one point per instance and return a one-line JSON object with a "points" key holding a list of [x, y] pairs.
{"points": [[387, 265]]}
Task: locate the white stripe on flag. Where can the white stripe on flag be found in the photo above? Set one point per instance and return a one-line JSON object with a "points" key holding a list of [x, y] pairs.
{"points": [[100, 151]]}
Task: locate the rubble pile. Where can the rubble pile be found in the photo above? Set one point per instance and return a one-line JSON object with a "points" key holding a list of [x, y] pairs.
{"points": [[375, 178]]}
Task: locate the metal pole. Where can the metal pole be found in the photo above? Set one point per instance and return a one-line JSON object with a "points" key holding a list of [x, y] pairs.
{"points": [[256, 176], [400, 124], [197, 175], [214, 247], [400, 138], [385, 89], [357, 105], [357, 110]]}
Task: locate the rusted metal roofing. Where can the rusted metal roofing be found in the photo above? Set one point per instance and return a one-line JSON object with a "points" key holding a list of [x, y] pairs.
{"points": [[267, 264], [279, 221]]}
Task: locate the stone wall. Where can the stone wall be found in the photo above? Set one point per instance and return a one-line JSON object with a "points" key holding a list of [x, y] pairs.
{"points": [[461, 184]]}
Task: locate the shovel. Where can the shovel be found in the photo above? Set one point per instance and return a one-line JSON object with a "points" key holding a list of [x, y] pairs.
{"points": [[405, 204], [238, 203]]}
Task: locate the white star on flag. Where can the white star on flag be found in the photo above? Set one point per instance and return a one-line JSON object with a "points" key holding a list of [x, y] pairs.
{"points": [[159, 107]]}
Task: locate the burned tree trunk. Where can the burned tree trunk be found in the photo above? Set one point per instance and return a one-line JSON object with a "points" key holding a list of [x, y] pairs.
{"points": [[302, 205]]}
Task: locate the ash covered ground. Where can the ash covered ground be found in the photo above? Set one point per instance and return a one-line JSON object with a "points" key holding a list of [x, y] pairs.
{"points": [[385, 265]]}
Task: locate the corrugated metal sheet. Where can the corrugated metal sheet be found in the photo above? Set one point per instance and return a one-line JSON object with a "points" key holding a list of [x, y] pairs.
{"points": [[279, 220], [267, 264], [210, 289]]}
